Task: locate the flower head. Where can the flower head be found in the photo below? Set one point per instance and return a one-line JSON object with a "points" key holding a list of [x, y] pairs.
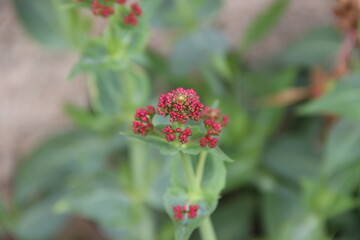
{"points": [[213, 126], [180, 211], [130, 20], [105, 8], [136, 10], [143, 120], [101, 9], [182, 134], [180, 105]]}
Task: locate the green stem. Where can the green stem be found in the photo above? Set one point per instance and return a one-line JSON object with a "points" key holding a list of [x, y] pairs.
{"points": [[194, 186], [190, 175], [200, 168], [142, 215], [207, 230], [138, 166]]}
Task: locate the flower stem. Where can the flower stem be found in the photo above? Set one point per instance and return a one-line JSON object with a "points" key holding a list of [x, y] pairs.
{"points": [[138, 166], [190, 175], [194, 186], [207, 230], [200, 168]]}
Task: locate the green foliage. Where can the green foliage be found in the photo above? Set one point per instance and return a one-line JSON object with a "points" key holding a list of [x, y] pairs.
{"points": [[239, 225], [339, 100], [184, 227], [342, 148], [100, 200], [66, 154], [196, 50], [317, 48], [5, 220], [50, 23], [288, 177], [192, 148], [184, 14], [264, 23], [39, 222], [291, 157]]}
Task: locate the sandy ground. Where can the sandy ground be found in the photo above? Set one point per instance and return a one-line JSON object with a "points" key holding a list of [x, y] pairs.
{"points": [[33, 87]]}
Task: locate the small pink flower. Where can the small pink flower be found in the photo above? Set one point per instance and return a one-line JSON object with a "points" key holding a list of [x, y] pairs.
{"points": [[170, 134], [136, 10], [213, 126], [178, 216], [130, 20], [179, 211], [181, 105], [143, 120], [208, 140]]}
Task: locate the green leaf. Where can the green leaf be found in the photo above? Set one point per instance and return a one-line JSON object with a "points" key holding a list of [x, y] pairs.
{"points": [[184, 227], [305, 227], [319, 48], [86, 119], [342, 148], [292, 157], [239, 209], [218, 154], [165, 147], [184, 15], [5, 221], [39, 221], [325, 201], [269, 82], [171, 148], [94, 56], [71, 153], [100, 199], [214, 178], [196, 51], [340, 100], [278, 206], [264, 23], [119, 93], [50, 24]]}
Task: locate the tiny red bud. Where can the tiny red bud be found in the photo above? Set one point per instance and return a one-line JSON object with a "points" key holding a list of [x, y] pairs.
{"points": [[136, 10], [130, 20]]}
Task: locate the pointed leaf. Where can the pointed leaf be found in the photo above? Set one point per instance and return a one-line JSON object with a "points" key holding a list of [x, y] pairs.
{"points": [[220, 155], [341, 100], [264, 23]]}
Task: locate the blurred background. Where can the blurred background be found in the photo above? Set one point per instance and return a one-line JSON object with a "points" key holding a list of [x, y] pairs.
{"points": [[28, 114], [50, 122]]}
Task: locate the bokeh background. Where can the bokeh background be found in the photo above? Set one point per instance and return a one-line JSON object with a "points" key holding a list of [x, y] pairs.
{"points": [[33, 89], [288, 180]]}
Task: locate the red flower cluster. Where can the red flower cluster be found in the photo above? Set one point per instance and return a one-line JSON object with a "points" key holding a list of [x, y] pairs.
{"points": [[143, 123], [181, 105], [213, 128], [105, 8], [179, 211], [131, 19], [100, 9], [183, 135]]}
